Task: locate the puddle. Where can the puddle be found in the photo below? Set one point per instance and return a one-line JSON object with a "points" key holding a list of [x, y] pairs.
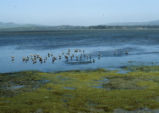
{"points": [[44, 81], [62, 78], [121, 71], [40, 83], [70, 88], [101, 82], [49, 88], [16, 87]]}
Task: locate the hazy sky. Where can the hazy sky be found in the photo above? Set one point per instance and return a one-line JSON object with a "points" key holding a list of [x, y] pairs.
{"points": [[78, 12]]}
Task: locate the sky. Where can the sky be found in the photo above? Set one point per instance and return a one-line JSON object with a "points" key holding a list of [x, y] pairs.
{"points": [[78, 12]]}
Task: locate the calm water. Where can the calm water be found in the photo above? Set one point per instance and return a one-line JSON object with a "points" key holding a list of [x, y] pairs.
{"points": [[142, 46]]}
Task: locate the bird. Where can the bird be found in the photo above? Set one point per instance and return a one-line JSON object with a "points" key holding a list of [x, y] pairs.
{"points": [[94, 60], [99, 55], [12, 58], [76, 58], [126, 52], [48, 54], [59, 57]]}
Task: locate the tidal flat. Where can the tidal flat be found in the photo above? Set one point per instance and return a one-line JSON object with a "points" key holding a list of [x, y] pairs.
{"points": [[91, 91]]}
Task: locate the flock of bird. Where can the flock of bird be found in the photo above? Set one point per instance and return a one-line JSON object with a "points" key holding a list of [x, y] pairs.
{"points": [[70, 56]]}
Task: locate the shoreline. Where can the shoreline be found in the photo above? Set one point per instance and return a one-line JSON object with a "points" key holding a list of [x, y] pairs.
{"points": [[60, 30]]}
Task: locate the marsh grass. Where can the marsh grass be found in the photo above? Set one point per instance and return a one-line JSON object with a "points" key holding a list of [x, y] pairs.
{"points": [[134, 90]]}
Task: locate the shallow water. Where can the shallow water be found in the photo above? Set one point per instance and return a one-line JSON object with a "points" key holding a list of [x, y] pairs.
{"points": [[101, 83], [142, 47]]}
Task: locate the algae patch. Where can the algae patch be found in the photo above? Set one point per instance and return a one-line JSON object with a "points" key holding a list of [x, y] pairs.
{"points": [[96, 91]]}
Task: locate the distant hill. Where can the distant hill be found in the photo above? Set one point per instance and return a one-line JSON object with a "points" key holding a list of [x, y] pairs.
{"points": [[154, 22], [150, 23], [15, 26], [32, 27], [8, 25]]}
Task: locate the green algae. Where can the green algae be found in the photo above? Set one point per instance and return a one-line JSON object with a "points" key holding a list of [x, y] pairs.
{"points": [[73, 91]]}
